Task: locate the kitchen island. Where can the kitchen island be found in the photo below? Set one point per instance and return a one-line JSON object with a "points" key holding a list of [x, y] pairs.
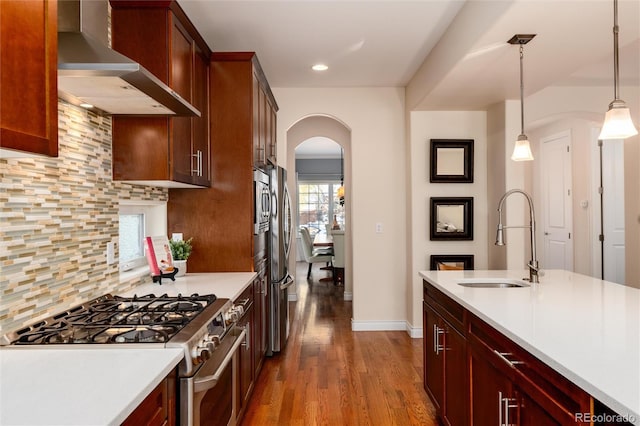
{"points": [[97, 384], [585, 329]]}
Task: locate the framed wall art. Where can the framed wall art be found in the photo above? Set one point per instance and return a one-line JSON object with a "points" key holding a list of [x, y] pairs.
{"points": [[451, 218], [451, 262], [451, 161]]}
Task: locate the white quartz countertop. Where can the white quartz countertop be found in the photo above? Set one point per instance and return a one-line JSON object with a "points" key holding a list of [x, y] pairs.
{"points": [[225, 285], [97, 384], [586, 329], [73, 386]]}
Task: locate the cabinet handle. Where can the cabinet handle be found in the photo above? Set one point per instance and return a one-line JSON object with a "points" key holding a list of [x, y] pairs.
{"points": [[503, 356], [437, 332], [504, 407], [246, 344], [194, 171], [198, 170]]}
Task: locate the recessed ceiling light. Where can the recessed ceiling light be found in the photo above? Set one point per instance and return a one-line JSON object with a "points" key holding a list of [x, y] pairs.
{"points": [[85, 105], [319, 67]]}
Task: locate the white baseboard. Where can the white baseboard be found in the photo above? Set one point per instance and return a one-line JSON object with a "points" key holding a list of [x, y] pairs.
{"points": [[348, 295], [413, 332], [378, 325]]}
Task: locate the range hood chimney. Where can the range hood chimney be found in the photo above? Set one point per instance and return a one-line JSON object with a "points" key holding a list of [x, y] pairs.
{"points": [[92, 75]]}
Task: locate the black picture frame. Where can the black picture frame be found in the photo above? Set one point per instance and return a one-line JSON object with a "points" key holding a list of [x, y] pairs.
{"points": [[451, 218], [451, 161], [451, 262]]}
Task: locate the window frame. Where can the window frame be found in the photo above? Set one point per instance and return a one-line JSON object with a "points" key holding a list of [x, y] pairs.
{"points": [[333, 186], [154, 222]]}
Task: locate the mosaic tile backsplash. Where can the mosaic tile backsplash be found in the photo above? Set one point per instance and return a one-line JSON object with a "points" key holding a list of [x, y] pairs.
{"points": [[56, 217]]}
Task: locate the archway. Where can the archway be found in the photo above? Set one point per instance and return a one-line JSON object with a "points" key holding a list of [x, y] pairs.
{"points": [[334, 129]]}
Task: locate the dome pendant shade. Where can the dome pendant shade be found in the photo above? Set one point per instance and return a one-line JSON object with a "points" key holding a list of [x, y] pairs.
{"points": [[522, 150], [617, 123]]}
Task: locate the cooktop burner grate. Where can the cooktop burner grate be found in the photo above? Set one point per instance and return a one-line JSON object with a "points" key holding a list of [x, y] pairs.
{"points": [[115, 319]]}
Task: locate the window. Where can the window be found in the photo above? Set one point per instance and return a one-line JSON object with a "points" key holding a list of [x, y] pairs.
{"points": [[131, 231], [138, 219], [317, 205]]}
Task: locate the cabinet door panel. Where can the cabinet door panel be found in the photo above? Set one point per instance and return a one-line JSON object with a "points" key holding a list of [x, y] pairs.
{"points": [[434, 370], [181, 60], [455, 371], [201, 124], [531, 413], [487, 384], [255, 93], [181, 77], [28, 81]]}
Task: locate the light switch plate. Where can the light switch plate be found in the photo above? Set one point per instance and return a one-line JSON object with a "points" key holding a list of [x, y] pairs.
{"points": [[111, 253], [379, 228]]}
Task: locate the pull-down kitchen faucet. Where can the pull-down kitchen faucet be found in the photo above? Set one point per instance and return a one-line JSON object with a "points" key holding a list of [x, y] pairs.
{"points": [[500, 241]]}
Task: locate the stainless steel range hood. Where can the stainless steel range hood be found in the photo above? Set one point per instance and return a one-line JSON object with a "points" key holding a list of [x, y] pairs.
{"points": [[90, 73]]}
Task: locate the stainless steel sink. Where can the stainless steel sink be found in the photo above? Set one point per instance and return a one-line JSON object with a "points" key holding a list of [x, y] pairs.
{"points": [[492, 283]]}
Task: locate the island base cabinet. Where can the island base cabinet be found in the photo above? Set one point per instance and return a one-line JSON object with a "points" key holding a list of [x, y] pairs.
{"points": [[445, 371], [475, 375]]}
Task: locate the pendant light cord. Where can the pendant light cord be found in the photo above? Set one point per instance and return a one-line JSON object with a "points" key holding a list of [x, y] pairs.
{"points": [[616, 71], [521, 91]]}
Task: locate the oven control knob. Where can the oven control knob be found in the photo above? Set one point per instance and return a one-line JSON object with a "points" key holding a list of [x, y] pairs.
{"points": [[213, 338], [209, 343], [201, 353]]}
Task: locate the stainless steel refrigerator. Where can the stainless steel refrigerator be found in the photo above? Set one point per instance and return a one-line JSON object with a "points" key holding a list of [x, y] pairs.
{"points": [[280, 244]]}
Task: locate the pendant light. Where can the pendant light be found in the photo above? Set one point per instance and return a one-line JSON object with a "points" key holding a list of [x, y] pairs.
{"points": [[522, 149], [617, 121], [341, 189]]}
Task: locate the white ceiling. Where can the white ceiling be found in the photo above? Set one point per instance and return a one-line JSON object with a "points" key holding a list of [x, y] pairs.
{"points": [[452, 54], [318, 147]]}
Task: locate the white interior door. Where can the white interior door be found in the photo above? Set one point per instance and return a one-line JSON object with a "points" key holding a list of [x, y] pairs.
{"points": [[557, 202], [613, 212]]}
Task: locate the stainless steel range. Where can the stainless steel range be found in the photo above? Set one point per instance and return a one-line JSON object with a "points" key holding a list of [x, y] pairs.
{"points": [[204, 327]]}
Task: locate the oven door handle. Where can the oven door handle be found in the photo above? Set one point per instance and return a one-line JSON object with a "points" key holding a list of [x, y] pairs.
{"points": [[208, 382]]}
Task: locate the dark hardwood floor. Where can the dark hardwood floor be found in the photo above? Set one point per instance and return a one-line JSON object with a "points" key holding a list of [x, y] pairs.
{"points": [[330, 375]]}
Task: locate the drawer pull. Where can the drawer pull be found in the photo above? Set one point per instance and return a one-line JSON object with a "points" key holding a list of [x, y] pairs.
{"points": [[503, 356], [437, 346]]}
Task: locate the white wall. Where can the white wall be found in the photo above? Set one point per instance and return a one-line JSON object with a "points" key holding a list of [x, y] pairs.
{"points": [[376, 119], [443, 125]]}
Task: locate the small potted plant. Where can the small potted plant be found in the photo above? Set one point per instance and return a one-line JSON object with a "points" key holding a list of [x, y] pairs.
{"points": [[180, 250]]}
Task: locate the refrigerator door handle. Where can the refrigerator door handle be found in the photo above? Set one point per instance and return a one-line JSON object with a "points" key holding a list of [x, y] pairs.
{"points": [[287, 282]]}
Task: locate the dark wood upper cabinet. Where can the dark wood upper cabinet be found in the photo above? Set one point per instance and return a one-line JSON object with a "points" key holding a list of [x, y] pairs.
{"points": [[220, 218], [163, 151], [29, 77]]}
